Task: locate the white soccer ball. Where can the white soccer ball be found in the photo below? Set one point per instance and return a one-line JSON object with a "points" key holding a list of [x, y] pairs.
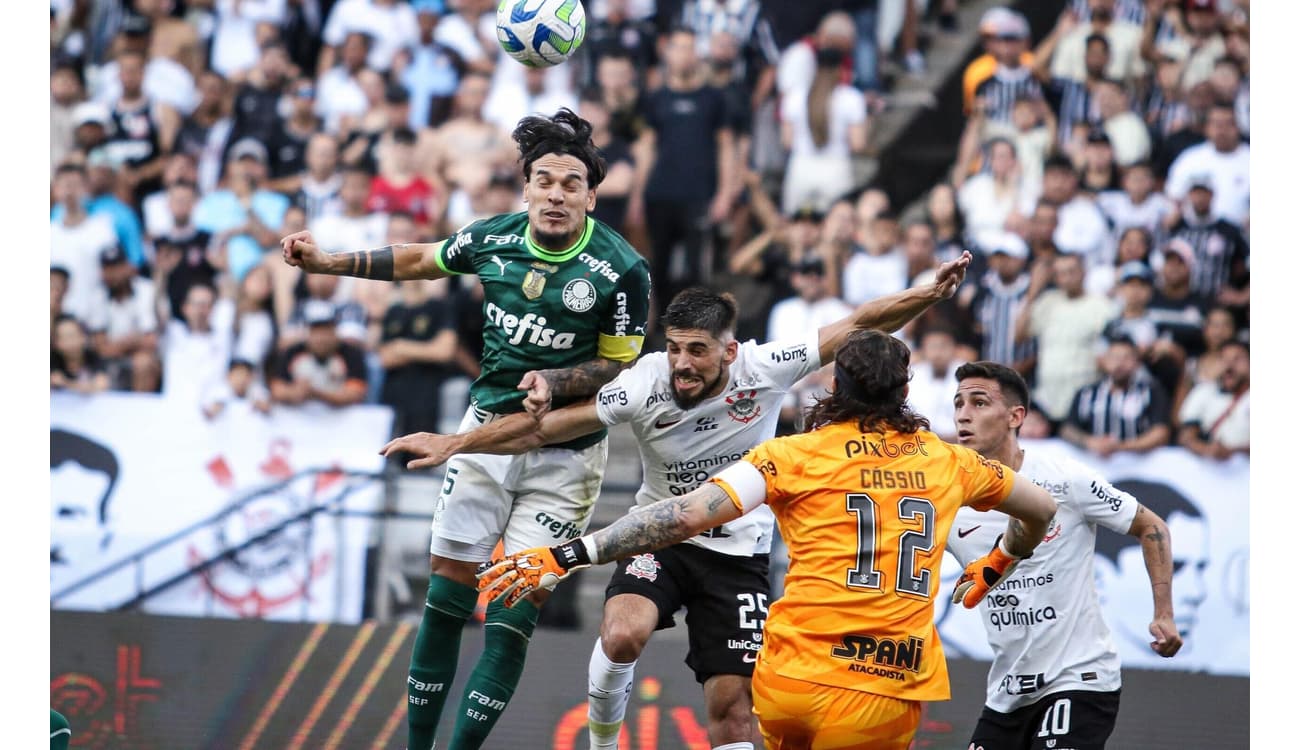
{"points": [[541, 33]]}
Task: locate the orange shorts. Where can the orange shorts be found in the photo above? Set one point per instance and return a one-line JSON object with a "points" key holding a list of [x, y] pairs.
{"points": [[798, 715]]}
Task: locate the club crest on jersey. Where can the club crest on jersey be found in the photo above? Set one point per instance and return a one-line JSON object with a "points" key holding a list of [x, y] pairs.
{"points": [[743, 407], [644, 566], [535, 279], [579, 295]]}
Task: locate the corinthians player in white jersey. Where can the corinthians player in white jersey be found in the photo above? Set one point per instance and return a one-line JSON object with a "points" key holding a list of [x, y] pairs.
{"points": [[1055, 677], [694, 410]]}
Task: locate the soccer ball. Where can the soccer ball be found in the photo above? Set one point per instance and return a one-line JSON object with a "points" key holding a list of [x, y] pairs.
{"points": [[541, 33]]}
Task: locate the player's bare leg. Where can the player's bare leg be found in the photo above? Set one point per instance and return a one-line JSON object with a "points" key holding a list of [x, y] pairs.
{"points": [[625, 629], [728, 705]]}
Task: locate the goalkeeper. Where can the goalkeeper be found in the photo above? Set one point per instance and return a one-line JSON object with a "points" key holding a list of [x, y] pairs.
{"points": [[864, 501], [1054, 682]]}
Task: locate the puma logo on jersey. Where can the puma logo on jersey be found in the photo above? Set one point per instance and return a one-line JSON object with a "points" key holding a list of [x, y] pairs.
{"points": [[502, 264], [963, 533]]}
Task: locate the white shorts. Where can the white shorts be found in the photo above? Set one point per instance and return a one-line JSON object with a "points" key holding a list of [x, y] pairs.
{"points": [[538, 499]]}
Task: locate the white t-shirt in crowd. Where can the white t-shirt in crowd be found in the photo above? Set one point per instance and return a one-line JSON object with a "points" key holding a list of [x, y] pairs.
{"points": [[680, 449], [234, 42], [165, 82], [192, 361], [77, 250], [868, 277], [985, 208], [390, 28], [1206, 404], [118, 318], [1081, 229], [339, 94], [1229, 174], [930, 395]]}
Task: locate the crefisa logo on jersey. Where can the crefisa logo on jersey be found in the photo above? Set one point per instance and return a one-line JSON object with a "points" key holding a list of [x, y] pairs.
{"points": [[743, 407], [644, 566], [579, 295]]}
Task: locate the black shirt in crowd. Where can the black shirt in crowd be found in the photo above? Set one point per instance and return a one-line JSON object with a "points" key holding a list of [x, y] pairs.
{"points": [[686, 125], [413, 389]]}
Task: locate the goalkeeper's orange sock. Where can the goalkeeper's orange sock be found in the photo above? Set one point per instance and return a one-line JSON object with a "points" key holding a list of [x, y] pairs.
{"points": [[506, 631], [433, 659]]}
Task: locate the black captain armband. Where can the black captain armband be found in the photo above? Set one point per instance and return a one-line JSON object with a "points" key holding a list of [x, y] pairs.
{"points": [[373, 264]]}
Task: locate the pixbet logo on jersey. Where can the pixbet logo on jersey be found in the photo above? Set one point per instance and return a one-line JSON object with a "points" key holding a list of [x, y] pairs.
{"points": [[531, 327]]}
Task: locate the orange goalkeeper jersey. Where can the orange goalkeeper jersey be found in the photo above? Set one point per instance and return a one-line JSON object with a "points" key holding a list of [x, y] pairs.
{"points": [[865, 517]]}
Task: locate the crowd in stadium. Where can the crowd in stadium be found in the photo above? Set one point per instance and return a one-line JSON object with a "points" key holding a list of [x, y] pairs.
{"points": [[1101, 183]]}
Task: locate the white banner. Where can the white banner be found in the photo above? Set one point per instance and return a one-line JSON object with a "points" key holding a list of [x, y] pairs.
{"points": [[1207, 506], [128, 471]]}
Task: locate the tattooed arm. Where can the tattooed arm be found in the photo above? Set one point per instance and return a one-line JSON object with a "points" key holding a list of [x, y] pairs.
{"points": [[1031, 510], [664, 523], [574, 382], [388, 263], [1157, 553]]}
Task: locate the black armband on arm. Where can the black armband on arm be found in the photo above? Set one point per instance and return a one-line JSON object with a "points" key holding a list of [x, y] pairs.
{"points": [[372, 264]]}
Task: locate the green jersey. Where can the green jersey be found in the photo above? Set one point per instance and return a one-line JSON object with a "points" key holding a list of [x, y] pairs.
{"points": [[547, 310]]}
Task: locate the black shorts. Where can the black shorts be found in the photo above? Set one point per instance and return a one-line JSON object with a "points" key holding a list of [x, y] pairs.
{"points": [[1069, 720], [725, 597]]}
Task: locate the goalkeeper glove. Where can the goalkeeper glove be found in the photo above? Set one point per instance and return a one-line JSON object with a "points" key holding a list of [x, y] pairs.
{"points": [[984, 574], [516, 576]]}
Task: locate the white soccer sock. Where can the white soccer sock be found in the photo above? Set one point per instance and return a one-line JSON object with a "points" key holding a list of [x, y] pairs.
{"points": [[608, 686], [736, 746]]}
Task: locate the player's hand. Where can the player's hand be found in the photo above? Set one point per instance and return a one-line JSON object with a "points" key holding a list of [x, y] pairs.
{"points": [[538, 400], [299, 249], [515, 576], [433, 449], [1167, 640], [983, 575], [951, 275]]}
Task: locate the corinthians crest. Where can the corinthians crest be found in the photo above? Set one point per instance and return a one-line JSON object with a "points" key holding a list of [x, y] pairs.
{"points": [[535, 279]]}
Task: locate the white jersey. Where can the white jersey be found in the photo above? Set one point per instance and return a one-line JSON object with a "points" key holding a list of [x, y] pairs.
{"points": [[1044, 622], [680, 449]]}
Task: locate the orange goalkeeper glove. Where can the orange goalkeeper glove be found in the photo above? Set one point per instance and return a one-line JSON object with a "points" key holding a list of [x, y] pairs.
{"points": [[984, 575], [516, 576]]}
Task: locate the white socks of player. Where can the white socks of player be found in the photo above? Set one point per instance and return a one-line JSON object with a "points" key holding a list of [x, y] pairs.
{"points": [[608, 687]]}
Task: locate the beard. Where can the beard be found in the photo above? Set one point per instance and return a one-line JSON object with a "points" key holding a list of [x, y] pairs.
{"points": [[551, 240], [684, 402]]}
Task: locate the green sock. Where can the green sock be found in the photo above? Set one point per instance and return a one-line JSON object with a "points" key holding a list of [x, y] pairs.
{"points": [[493, 681], [59, 731], [433, 659]]}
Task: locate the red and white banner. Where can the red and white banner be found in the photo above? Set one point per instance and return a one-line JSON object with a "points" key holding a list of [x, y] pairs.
{"points": [[128, 471], [1207, 507]]}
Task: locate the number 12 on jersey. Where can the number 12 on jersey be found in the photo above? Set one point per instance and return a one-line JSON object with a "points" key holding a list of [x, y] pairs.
{"points": [[911, 542]]}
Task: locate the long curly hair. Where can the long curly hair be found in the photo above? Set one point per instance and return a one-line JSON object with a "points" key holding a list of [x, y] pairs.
{"points": [[871, 374], [565, 133]]}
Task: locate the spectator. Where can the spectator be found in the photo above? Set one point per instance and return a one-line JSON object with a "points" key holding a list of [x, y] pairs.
{"points": [[1222, 255], [323, 367], [1223, 161], [205, 133], [123, 318], [418, 351], [1134, 246], [1066, 322], [435, 69], [165, 80], [103, 179], [288, 146], [791, 318], [1073, 101], [943, 213], [234, 40], [173, 40], [823, 126], [1098, 171], [999, 198], [391, 26], [1012, 79], [158, 218], [181, 252], [1179, 312], [1214, 421], [797, 66], [998, 26], [1135, 285], [743, 102], [136, 128], [1197, 39], [240, 385], [338, 92], [465, 151], [77, 237], [348, 315], [1001, 293], [1125, 38], [195, 349], [58, 290], [90, 126], [507, 104], [623, 95], [620, 174], [390, 109], [1137, 203], [771, 256], [398, 188], [684, 158], [355, 225], [1127, 410], [1220, 328], [243, 214], [1165, 107], [619, 34], [258, 99], [1228, 84], [934, 380], [1032, 130], [1040, 232], [1080, 227], [1124, 129], [74, 366], [67, 89], [464, 32], [837, 243], [320, 184], [254, 329], [880, 268]]}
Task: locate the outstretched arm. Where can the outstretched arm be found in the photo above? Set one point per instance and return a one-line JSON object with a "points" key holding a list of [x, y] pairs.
{"points": [[1157, 553], [510, 435], [891, 312], [389, 263], [573, 382]]}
